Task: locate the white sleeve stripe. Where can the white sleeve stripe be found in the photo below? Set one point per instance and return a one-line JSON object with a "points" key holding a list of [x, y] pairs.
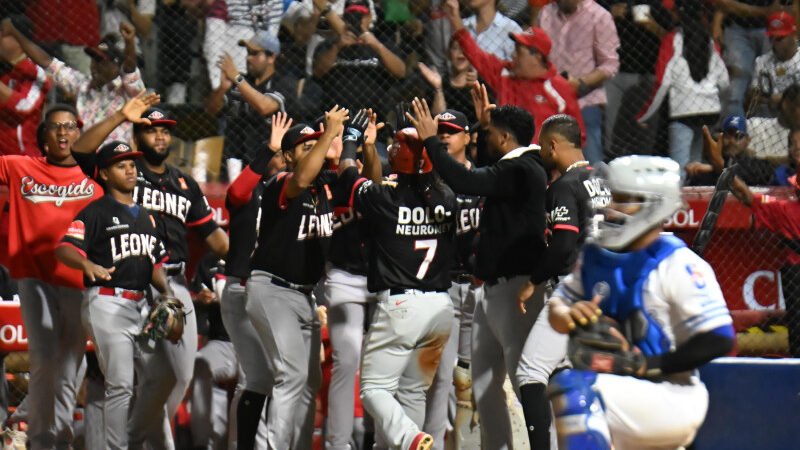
{"points": [[704, 314], [717, 319]]}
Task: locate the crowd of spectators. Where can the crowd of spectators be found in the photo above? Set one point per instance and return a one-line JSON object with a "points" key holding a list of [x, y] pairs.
{"points": [[642, 76]]}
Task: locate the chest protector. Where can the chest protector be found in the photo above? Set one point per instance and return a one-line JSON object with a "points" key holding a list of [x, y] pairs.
{"points": [[620, 278]]}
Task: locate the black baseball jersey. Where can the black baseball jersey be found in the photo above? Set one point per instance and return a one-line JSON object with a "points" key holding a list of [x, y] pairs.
{"points": [[413, 238], [175, 200], [294, 234], [570, 201], [111, 234], [243, 227], [348, 249], [467, 222]]}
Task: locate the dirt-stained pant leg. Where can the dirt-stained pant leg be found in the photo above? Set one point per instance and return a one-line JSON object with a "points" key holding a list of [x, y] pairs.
{"points": [[402, 352]]}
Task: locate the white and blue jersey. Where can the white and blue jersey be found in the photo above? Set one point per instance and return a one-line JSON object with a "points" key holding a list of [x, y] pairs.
{"points": [[675, 289]]}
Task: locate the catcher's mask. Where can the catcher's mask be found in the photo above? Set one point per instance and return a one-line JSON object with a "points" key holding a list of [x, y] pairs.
{"points": [[646, 190], [407, 155]]}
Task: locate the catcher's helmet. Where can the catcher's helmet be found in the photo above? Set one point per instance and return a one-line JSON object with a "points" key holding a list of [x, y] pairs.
{"points": [[407, 155], [653, 182]]}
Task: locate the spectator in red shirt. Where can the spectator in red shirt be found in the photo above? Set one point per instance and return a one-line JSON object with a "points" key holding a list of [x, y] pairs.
{"points": [[74, 24], [529, 80], [23, 90]]}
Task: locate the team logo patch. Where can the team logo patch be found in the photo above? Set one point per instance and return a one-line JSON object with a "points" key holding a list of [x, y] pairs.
{"points": [[115, 219], [183, 183], [539, 98], [446, 116], [307, 130], [77, 230], [560, 214], [121, 148], [697, 277], [155, 115]]}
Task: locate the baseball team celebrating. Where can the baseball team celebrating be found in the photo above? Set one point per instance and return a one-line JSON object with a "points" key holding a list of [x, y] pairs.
{"points": [[440, 280]]}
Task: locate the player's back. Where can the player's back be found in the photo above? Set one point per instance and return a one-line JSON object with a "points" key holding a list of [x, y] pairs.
{"points": [[412, 225]]}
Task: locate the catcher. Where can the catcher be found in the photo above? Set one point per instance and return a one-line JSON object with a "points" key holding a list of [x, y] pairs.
{"points": [[656, 314], [114, 242]]}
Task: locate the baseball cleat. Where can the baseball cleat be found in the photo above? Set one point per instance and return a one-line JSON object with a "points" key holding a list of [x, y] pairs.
{"points": [[423, 441]]}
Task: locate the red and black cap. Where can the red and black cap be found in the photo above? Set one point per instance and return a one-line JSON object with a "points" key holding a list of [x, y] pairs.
{"points": [[115, 151], [452, 121], [356, 6], [297, 135], [158, 118], [106, 50]]}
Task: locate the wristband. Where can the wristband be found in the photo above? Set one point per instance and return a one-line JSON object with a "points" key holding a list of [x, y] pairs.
{"points": [[239, 78]]}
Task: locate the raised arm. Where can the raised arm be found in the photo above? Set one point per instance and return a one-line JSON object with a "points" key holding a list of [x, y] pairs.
{"points": [[132, 112], [391, 62], [309, 166], [372, 161], [265, 105], [34, 52]]}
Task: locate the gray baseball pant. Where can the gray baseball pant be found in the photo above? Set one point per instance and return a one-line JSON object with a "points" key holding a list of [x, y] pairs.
{"points": [[458, 346], [216, 363], [56, 344], [288, 327], [347, 298], [113, 323], [403, 349], [255, 374], [166, 373], [499, 331]]}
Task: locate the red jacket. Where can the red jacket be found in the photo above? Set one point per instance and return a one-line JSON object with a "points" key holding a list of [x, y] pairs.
{"points": [[542, 97], [21, 113]]}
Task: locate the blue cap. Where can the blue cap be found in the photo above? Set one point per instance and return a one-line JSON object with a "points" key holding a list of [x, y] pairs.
{"points": [[735, 123], [264, 41]]}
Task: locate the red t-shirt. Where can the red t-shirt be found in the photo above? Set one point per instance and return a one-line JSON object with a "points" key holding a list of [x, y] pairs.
{"points": [[20, 114], [44, 199], [74, 22], [781, 217]]}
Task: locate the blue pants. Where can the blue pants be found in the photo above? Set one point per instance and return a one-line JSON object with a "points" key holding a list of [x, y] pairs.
{"points": [[593, 121], [742, 46]]}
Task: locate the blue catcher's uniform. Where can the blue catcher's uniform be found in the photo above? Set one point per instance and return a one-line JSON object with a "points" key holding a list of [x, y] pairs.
{"points": [[662, 296]]}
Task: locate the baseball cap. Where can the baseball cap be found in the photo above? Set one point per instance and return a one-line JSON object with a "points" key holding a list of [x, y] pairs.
{"points": [[781, 24], [106, 50], [735, 123], [356, 6], [535, 38], [157, 117], [115, 151], [451, 120], [297, 135], [262, 41]]}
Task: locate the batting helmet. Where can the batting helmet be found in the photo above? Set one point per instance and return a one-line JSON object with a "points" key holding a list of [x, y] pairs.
{"points": [[407, 155]]}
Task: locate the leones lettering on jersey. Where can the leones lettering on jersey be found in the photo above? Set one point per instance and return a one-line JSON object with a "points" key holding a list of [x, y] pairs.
{"points": [[129, 245]]}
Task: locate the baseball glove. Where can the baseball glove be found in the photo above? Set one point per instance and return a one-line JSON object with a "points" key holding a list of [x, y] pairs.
{"points": [[166, 320], [601, 347]]}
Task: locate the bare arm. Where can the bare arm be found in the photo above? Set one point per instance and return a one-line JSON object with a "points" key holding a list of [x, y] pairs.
{"points": [[372, 162], [743, 193], [216, 100], [142, 22], [309, 166], [159, 280], [132, 111], [325, 59], [393, 64], [34, 52], [129, 36], [68, 255], [263, 104], [218, 242], [745, 10], [5, 92]]}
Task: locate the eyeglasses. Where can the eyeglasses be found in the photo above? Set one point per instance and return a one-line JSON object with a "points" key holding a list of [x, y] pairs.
{"points": [[68, 126], [257, 52]]}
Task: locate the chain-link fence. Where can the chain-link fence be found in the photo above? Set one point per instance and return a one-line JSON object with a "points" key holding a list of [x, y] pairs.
{"points": [[646, 76]]}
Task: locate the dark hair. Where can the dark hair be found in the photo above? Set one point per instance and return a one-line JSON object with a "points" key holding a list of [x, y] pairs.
{"points": [[515, 121], [564, 125], [23, 24], [696, 39], [42, 128]]}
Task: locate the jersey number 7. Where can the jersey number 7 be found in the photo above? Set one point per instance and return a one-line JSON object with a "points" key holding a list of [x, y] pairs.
{"points": [[430, 246]]}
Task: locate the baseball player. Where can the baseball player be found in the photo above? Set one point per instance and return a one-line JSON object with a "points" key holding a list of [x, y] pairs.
{"points": [[453, 131], [412, 225], [295, 228], [671, 314], [511, 231], [115, 243], [51, 187], [569, 201], [347, 297], [243, 202], [216, 365], [178, 204]]}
